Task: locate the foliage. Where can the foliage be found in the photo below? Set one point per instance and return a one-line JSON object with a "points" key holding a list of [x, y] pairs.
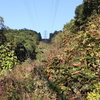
{"points": [[95, 94], [15, 90], [91, 6], [76, 69], [73, 66], [84, 12], [7, 58], [2, 26], [24, 42], [2, 37], [18, 84], [20, 52]]}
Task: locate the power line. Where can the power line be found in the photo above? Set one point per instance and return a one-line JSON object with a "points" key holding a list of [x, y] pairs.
{"points": [[30, 14], [28, 11], [55, 4], [35, 11], [55, 12]]}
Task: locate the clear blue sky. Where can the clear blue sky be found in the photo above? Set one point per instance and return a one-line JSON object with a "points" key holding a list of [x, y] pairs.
{"points": [[44, 16]]}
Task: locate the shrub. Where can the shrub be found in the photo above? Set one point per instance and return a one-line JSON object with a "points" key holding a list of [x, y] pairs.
{"points": [[95, 94], [7, 58]]}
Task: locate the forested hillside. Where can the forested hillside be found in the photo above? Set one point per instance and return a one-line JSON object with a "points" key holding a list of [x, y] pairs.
{"points": [[65, 67]]}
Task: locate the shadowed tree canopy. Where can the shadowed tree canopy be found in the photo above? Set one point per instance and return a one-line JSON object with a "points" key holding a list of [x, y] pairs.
{"points": [[1, 21], [91, 6], [84, 12], [2, 27]]}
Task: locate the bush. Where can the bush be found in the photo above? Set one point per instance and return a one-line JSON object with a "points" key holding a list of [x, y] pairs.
{"points": [[95, 94], [24, 42], [7, 58]]}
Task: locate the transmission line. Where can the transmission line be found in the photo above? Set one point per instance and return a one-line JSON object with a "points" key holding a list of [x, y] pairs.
{"points": [[55, 12], [30, 14], [35, 11]]}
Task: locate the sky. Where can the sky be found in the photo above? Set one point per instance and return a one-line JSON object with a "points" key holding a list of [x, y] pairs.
{"points": [[44, 16]]}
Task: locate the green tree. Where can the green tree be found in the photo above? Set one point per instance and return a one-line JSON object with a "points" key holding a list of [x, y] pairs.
{"points": [[2, 37], [24, 42], [1, 21]]}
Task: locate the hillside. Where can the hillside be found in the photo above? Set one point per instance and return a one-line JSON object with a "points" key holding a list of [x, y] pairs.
{"points": [[64, 67]]}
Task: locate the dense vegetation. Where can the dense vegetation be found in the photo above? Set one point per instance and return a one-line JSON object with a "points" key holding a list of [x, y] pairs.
{"points": [[16, 46], [76, 68], [24, 42], [66, 68]]}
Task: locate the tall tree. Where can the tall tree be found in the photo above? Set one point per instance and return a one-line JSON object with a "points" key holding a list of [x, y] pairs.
{"points": [[2, 37], [91, 6], [1, 22], [86, 10]]}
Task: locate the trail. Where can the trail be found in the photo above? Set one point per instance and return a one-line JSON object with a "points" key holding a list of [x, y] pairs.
{"points": [[42, 90]]}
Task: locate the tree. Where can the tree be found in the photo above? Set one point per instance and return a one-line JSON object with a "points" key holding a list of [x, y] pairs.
{"points": [[85, 11], [79, 15], [79, 11], [2, 37], [1, 22], [21, 52], [91, 6]]}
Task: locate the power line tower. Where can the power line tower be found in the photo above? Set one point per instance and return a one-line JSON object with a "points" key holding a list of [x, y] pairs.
{"points": [[45, 34]]}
